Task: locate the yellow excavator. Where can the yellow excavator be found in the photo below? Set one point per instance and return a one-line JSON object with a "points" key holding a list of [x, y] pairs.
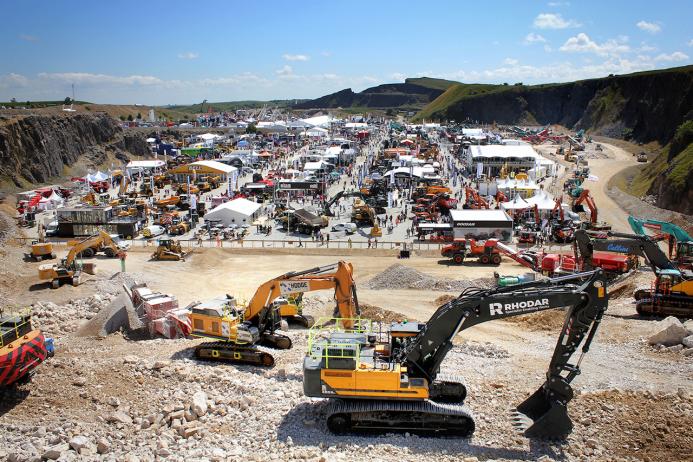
{"points": [[238, 330], [101, 242], [364, 213], [388, 378], [67, 270]]}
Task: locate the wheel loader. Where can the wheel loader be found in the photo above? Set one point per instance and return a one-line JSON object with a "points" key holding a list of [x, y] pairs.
{"points": [[388, 379], [169, 250]]}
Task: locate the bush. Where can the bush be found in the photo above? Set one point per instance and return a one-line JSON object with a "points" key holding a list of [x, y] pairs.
{"points": [[682, 138]]}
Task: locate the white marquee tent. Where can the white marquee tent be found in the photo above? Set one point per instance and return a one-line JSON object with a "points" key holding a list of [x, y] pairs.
{"points": [[238, 211]]}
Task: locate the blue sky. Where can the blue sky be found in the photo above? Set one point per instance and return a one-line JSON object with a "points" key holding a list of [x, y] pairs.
{"points": [[156, 52]]}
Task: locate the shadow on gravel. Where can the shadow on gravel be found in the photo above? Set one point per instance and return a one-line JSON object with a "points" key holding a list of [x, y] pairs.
{"points": [[305, 424], [469, 263], [11, 396], [39, 286]]}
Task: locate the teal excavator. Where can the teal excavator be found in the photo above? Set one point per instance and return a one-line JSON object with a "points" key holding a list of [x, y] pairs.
{"points": [[679, 241]]}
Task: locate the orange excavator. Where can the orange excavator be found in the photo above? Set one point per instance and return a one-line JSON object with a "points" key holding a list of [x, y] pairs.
{"points": [[473, 200], [238, 330], [586, 198], [560, 232]]}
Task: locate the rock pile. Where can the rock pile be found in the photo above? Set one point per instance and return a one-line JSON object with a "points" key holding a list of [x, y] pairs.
{"points": [[399, 276], [55, 319], [674, 336]]}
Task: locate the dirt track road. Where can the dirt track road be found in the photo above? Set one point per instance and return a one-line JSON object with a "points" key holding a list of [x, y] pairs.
{"points": [[604, 169]]}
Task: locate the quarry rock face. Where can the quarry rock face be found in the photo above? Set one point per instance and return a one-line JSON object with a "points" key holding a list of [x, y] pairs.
{"points": [[34, 148]]}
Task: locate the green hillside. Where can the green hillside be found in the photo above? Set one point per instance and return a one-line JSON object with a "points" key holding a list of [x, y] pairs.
{"points": [[230, 105], [429, 82], [453, 94]]}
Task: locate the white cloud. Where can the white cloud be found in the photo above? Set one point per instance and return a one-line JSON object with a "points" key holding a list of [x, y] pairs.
{"points": [[13, 80], [85, 78], [644, 48], [289, 57], [650, 27], [285, 71], [326, 54], [675, 56], [510, 61], [398, 76], [188, 55], [548, 49], [557, 4], [553, 72], [533, 38], [582, 43], [29, 38], [554, 21]]}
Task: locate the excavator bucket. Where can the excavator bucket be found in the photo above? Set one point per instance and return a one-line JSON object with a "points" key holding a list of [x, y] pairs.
{"points": [[541, 417]]}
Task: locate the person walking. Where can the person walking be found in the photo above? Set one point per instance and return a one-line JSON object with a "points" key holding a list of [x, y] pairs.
{"points": [[349, 242], [369, 242]]}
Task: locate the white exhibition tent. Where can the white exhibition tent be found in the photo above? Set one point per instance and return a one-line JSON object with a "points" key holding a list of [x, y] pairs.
{"points": [[142, 165], [98, 176], [219, 167], [356, 125], [318, 121], [517, 203], [543, 200], [50, 203], [312, 166], [235, 212], [316, 132]]}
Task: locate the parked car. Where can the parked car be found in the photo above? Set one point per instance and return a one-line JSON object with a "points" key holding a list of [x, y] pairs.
{"points": [[349, 228], [153, 231]]}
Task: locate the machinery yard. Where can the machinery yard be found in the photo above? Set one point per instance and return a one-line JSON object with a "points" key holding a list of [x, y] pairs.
{"points": [[132, 382], [261, 241], [122, 396]]}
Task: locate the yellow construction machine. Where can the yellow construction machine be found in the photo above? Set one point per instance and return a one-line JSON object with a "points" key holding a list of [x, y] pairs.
{"points": [[238, 330], [101, 242], [41, 251], [169, 250], [389, 378], [68, 270], [364, 213]]}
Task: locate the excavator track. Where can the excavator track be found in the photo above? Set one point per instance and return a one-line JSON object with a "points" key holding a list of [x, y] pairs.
{"points": [[236, 354], [278, 341], [423, 417], [661, 305]]}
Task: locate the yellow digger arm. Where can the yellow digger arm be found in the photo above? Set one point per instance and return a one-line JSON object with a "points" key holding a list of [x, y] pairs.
{"points": [[308, 281]]}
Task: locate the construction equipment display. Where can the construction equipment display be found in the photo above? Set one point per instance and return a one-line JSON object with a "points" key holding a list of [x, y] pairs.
{"points": [[238, 330], [67, 270], [461, 249], [671, 293], [390, 380], [586, 198], [41, 251], [101, 242], [22, 348], [169, 250], [680, 242]]}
